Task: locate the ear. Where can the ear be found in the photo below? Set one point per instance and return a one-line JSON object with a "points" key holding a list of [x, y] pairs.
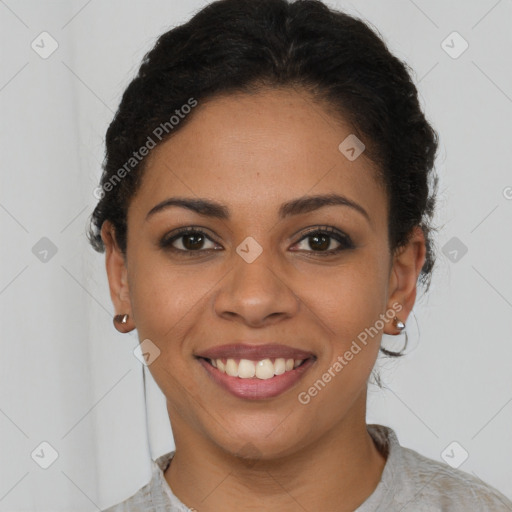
{"points": [[406, 267], [117, 273]]}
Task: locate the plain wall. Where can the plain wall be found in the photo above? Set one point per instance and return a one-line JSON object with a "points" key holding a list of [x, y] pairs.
{"points": [[69, 379]]}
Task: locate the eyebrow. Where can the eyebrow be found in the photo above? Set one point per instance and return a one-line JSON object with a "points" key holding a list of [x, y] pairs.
{"points": [[301, 205]]}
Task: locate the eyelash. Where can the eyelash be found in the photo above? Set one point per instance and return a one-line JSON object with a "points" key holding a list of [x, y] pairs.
{"points": [[343, 239]]}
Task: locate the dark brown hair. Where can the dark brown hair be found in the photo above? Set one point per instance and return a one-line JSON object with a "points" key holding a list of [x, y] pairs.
{"points": [[242, 45]]}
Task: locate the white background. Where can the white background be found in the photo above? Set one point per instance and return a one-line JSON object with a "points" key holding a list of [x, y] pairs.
{"points": [[68, 378]]}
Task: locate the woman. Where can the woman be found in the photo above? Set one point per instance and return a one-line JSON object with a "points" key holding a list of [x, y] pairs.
{"points": [[265, 211]]}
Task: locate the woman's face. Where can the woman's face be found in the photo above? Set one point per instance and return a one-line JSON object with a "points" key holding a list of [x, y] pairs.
{"points": [[266, 273]]}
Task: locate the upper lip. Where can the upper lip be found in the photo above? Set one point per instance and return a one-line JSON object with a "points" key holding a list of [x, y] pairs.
{"points": [[254, 352]]}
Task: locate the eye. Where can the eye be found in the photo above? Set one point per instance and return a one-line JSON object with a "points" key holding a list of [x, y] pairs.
{"points": [[190, 240], [187, 240], [321, 241]]}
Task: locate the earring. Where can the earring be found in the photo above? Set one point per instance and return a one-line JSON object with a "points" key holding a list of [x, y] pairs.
{"points": [[121, 319], [120, 323], [398, 324]]}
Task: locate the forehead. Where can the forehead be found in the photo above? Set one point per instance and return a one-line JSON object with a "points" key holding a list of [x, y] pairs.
{"points": [[255, 151]]}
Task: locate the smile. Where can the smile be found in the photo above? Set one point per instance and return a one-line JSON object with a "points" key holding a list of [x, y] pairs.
{"points": [[251, 379]]}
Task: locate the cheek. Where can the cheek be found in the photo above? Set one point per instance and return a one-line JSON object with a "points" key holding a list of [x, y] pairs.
{"points": [[348, 303], [350, 297], [165, 299]]}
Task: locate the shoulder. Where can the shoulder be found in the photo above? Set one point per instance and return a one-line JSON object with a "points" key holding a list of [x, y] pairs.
{"points": [[421, 484], [155, 495], [433, 485], [139, 501]]}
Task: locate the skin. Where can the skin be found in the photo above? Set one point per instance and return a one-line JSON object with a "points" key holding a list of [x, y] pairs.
{"points": [[252, 153]]}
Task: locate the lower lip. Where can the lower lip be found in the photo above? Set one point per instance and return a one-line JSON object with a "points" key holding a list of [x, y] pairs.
{"points": [[254, 388]]}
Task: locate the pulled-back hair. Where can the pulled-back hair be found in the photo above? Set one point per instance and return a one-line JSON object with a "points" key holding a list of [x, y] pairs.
{"points": [[233, 46]]}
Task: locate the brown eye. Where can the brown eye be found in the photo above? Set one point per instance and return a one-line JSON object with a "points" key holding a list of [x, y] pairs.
{"points": [[320, 242], [324, 241], [188, 240], [192, 241]]}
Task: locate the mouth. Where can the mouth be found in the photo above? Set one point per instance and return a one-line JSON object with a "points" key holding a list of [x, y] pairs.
{"points": [[262, 369], [256, 372]]}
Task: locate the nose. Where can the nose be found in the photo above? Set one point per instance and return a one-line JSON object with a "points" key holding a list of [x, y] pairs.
{"points": [[257, 293]]}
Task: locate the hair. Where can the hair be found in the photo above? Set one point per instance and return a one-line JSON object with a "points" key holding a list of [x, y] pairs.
{"points": [[243, 46]]}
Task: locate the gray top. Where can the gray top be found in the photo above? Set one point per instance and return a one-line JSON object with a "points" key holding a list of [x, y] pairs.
{"points": [[410, 482]]}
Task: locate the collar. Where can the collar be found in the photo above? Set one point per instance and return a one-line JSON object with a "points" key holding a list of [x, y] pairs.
{"points": [[384, 437]]}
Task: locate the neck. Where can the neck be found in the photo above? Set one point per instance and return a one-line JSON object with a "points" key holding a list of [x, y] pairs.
{"points": [[342, 467]]}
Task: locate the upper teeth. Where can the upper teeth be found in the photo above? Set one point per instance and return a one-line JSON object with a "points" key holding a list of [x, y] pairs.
{"points": [[263, 369]]}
